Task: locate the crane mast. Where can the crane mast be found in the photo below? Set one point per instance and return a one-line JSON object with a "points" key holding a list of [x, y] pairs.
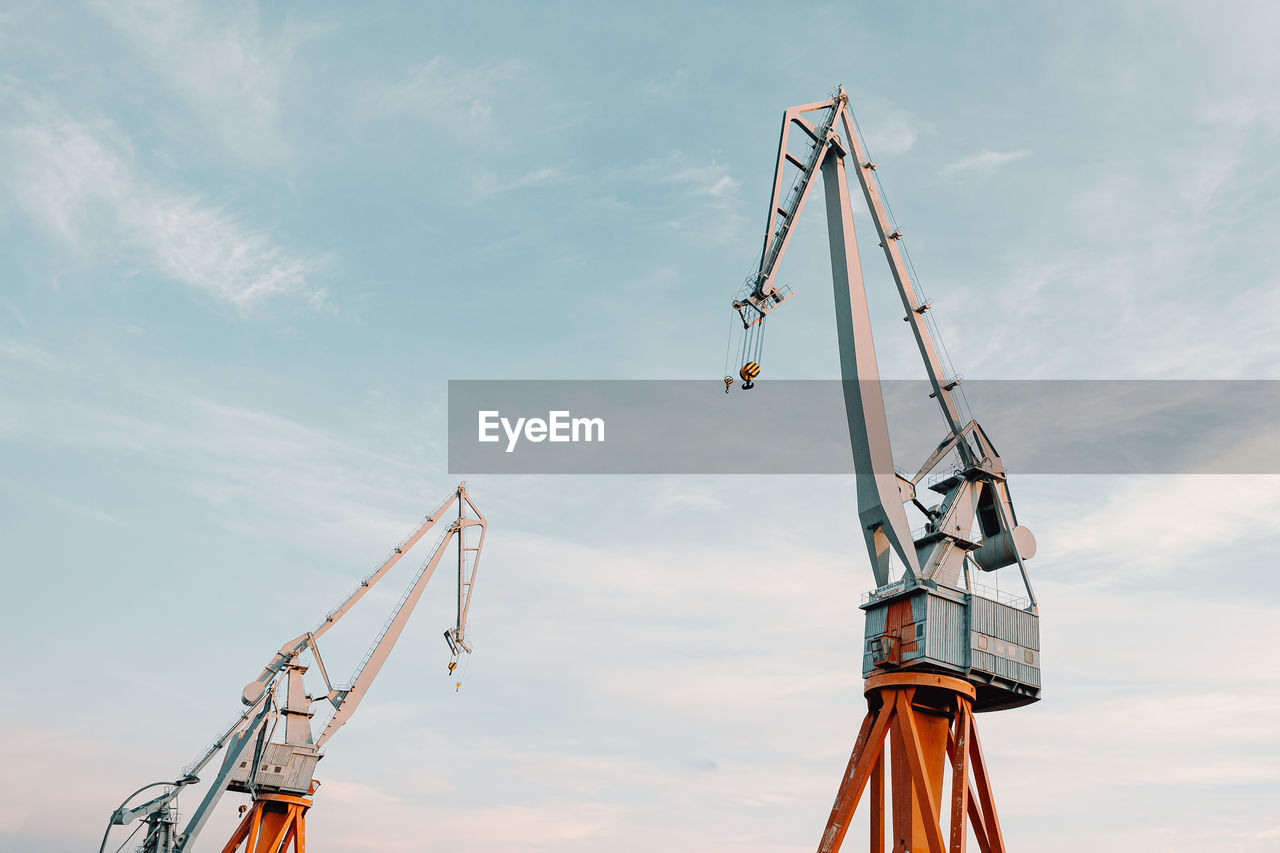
{"points": [[278, 771], [937, 645]]}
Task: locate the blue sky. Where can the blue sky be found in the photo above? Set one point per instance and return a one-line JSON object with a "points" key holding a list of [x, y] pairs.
{"points": [[246, 246]]}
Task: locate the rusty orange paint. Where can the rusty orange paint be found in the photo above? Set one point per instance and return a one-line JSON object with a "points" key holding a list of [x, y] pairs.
{"points": [[900, 626], [876, 683], [276, 823], [958, 750], [926, 719]]}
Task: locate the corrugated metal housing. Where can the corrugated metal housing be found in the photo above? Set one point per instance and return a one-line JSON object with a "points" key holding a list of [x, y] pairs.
{"points": [[994, 645]]}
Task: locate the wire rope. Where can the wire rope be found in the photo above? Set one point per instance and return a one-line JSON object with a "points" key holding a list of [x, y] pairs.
{"points": [[130, 836], [932, 327]]}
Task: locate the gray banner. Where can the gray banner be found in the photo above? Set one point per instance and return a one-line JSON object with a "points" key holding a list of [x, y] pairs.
{"points": [[799, 427]]}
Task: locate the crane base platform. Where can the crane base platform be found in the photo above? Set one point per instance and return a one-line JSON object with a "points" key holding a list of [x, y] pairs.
{"points": [[928, 720]]}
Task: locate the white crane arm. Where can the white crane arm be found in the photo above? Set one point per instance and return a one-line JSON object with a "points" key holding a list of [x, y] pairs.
{"points": [[332, 617], [880, 496], [237, 742], [456, 636], [290, 650], [346, 699]]}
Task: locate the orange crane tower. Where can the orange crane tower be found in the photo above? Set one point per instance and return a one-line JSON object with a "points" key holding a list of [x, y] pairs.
{"points": [[938, 645]]}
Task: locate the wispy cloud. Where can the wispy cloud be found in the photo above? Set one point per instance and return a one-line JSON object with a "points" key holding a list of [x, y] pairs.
{"points": [[246, 465], [448, 93], [66, 173], [488, 184], [699, 178], [1125, 261], [668, 87], [704, 186], [893, 132], [1128, 525], [983, 163], [218, 59], [14, 311], [710, 179]]}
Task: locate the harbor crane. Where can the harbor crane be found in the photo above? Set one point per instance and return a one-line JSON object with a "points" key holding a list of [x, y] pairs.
{"points": [[269, 751], [938, 645]]}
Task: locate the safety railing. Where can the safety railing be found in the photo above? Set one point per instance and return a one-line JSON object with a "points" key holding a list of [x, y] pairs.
{"points": [[1001, 597], [218, 742], [944, 474]]}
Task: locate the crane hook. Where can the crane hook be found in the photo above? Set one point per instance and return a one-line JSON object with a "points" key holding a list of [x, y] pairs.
{"points": [[728, 383], [749, 372]]}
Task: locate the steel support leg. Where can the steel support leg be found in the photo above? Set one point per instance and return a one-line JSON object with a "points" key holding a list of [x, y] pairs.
{"points": [[926, 718]]}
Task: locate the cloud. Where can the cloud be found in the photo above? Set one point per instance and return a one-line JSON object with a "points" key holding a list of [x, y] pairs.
{"points": [[449, 94], [1129, 525], [26, 758], [18, 316], [66, 173], [27, 353], [706, 190], [228, 72], [487, 184], [704, 179], [256, 471], [548, 826], [894, 132], [983, 163], [1126, 265], [669, 87]]}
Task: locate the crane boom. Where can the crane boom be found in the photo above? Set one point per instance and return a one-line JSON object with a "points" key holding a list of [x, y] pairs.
{"points": [[346, 699], [331, 618], [280, 771]]}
